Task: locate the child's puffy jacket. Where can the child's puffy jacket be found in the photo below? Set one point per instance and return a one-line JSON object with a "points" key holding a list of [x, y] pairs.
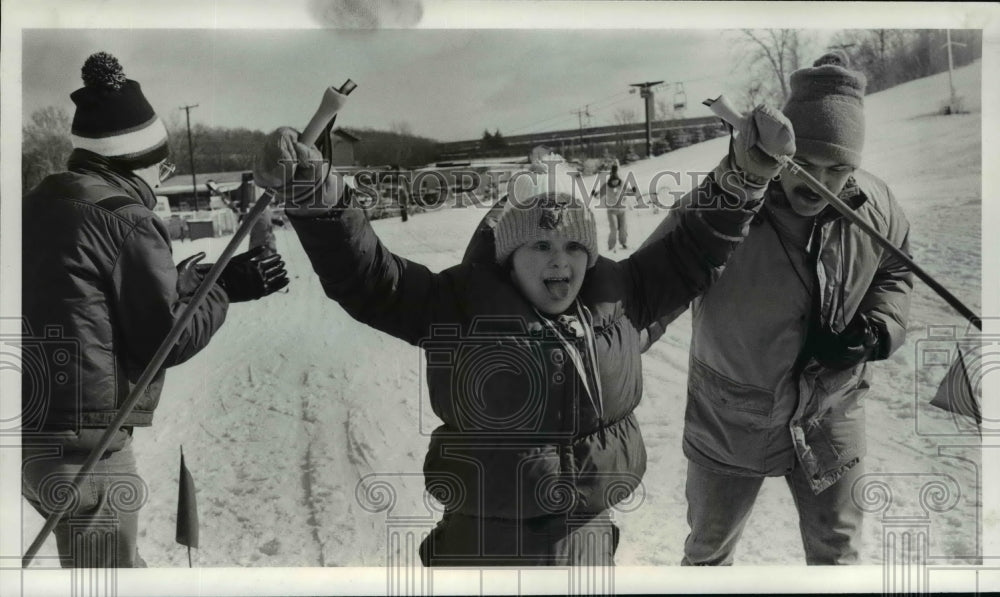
{"points": [[522, 436]]}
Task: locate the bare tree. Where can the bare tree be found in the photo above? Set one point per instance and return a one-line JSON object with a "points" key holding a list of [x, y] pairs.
{"points": [[664, 109], [401, 127], [45, 145], [625, 116], [772, 54], [622, 118]]}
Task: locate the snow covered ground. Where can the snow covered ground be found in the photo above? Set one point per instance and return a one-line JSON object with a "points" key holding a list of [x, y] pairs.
{"points": [[293, 402]]}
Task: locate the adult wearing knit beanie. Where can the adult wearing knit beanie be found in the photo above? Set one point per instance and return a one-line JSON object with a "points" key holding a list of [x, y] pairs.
{"points": [[546, 236], [782, 339], [543, 205], [98, 269], [826, 109]]}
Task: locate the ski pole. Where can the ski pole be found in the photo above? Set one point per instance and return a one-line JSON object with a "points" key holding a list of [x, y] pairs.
{"points": [[325, 113], [724, 110]]}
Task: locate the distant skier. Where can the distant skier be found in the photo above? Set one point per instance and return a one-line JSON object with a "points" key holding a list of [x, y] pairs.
{"points": [[98, 272], [533, 349], [403, 193], [781, 339], [612, 197]]}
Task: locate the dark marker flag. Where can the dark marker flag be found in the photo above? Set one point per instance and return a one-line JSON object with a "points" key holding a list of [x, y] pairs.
{"points": [[187, 509], [956, 393]]}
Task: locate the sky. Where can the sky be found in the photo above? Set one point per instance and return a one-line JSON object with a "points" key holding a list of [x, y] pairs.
{"points": [[443, 84], [446, 69]]}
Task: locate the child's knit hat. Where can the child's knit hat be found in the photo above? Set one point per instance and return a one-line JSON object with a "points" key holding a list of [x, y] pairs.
{"points": [[544, 203], [826, 108], [113, 118]]}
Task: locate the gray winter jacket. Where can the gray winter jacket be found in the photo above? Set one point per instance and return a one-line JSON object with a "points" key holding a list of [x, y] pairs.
{"points": [[751, 414]]}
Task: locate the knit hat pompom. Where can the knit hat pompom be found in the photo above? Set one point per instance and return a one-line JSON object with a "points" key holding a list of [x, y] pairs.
{"points": [[826, 108], [544, 203], [113, 118], [103, 71]]}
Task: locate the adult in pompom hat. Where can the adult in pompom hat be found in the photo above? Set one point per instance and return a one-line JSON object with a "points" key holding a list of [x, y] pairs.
{"points": [[781, 341], [101, 290], [533, 352]]}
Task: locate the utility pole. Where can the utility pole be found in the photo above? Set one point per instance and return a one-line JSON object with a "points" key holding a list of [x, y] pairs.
{"points": [[579, 116], [194, 184], [952, 100], [646, 92]]}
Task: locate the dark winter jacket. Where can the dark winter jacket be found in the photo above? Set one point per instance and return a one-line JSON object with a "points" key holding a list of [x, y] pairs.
{"points": [[521, 437], [99, 296], [749, 413]]}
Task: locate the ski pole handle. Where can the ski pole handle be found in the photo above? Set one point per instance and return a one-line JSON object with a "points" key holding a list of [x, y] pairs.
{"points": [[721, 107], [326, 112]]}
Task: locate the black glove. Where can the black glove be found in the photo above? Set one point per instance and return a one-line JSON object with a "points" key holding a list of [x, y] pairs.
{"points": [[861, 340], [252, 275], [190, 275]]}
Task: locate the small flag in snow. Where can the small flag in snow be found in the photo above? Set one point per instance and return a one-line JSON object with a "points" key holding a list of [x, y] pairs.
{"points": [[956, 393], [187, 509]]}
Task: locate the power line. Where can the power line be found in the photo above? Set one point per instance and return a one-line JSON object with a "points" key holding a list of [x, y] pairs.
{"points": [[564, 115], [194, 184], [579, 116]]}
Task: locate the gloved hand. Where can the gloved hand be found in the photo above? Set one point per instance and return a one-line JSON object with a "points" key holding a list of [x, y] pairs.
{"points": [[295, 171], [189, 276], [252, 275], [748, 168], [861, 340]]}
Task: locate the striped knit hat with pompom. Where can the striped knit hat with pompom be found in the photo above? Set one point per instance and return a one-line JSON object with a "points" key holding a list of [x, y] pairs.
{"points": [[113, 118]]}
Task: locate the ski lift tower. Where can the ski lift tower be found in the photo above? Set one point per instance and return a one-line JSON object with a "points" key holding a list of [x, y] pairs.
{"points": [[646, 92], [953, 104]]}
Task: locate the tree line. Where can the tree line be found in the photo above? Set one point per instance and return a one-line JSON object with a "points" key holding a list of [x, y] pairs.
{"points": [[887, 57], [46, 146]]}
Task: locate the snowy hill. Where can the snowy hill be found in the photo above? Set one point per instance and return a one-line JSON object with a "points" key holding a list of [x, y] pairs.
{"points": [[294, 402]]}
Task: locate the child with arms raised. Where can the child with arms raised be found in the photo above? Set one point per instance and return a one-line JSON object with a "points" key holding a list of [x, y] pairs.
{"points": [[534, 355]]}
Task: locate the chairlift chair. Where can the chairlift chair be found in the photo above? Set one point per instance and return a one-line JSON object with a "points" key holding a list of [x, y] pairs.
{"points": [[680, 98]]}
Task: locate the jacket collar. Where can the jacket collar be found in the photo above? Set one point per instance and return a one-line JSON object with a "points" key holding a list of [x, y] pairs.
{"points": [[86, 162]]}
